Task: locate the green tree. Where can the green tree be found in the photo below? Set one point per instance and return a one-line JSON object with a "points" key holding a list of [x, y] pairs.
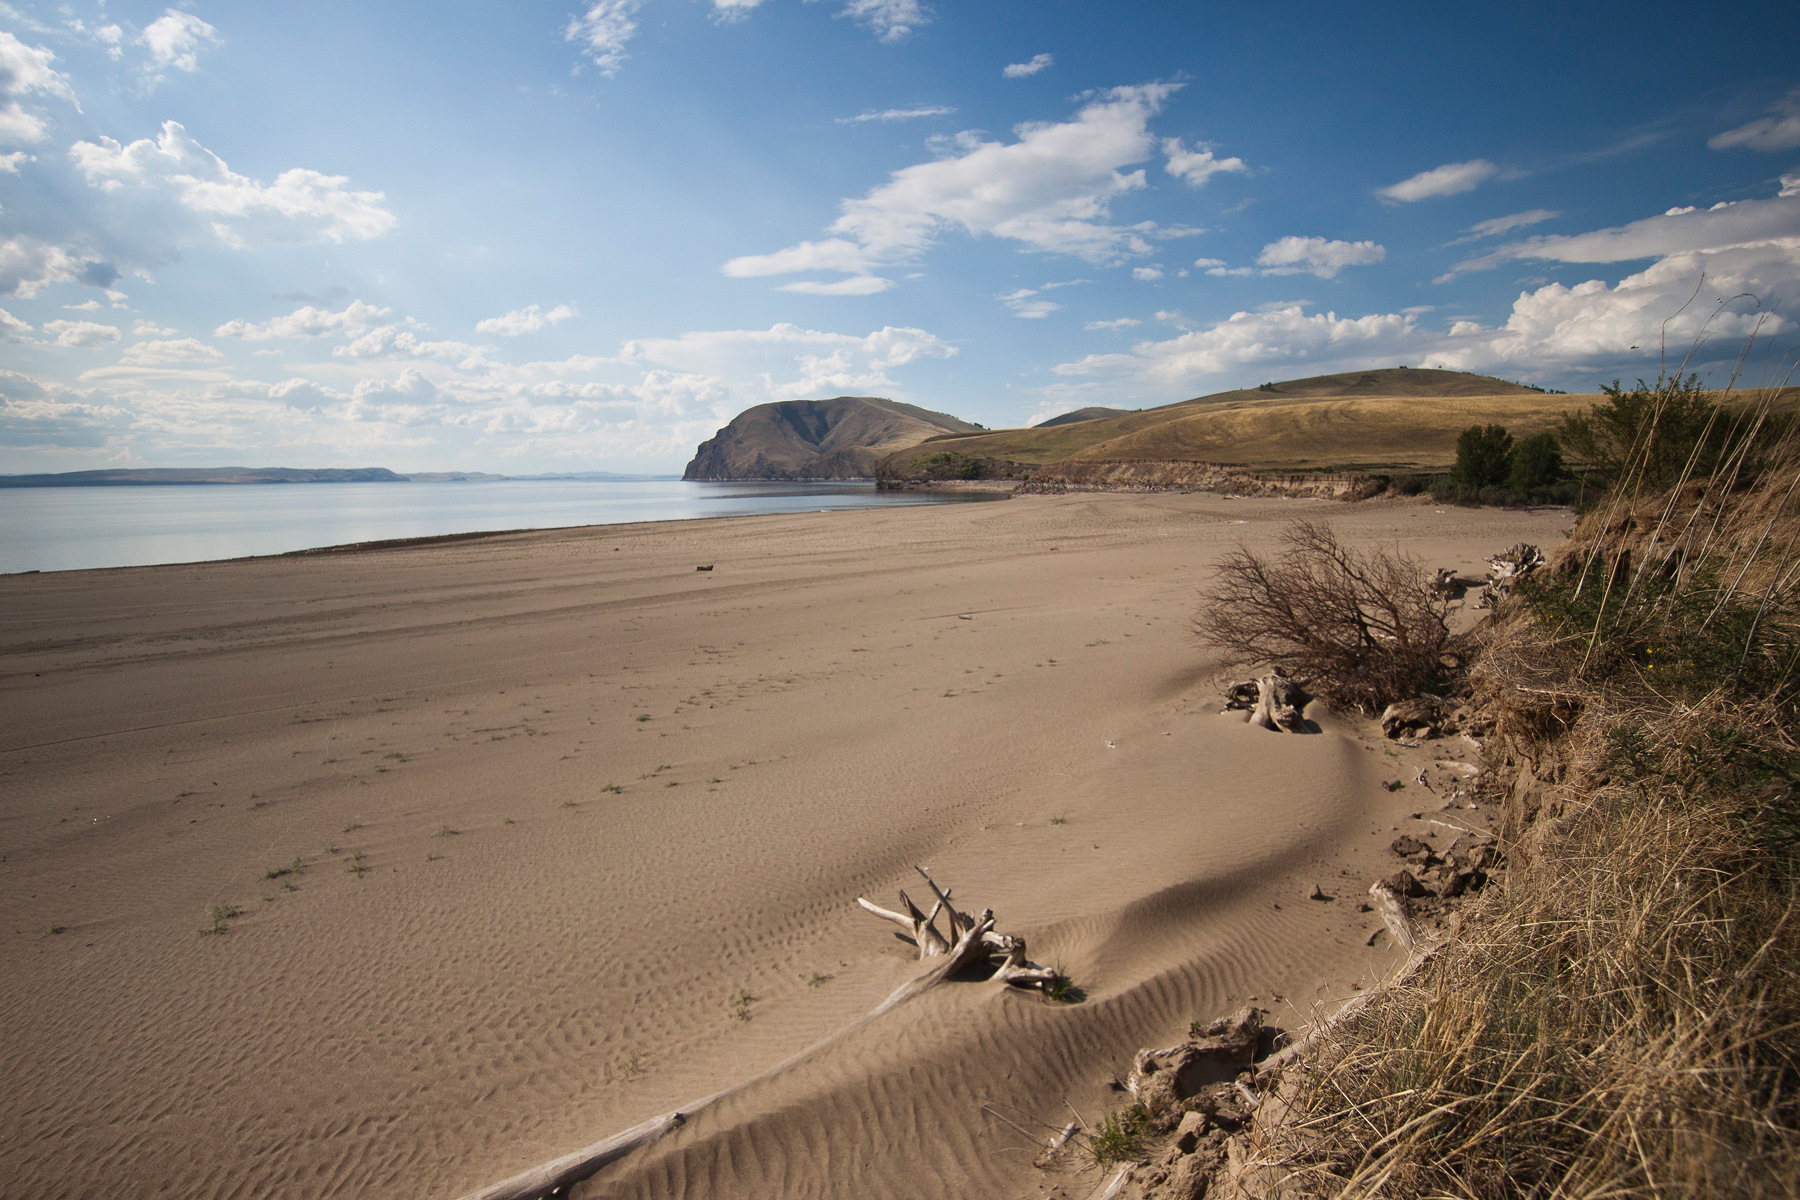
{"points": [[1659, 428], [1481, 456], [1535, 462]]}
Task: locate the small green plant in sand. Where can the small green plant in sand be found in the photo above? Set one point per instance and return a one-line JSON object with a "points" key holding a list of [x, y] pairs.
{"points": [[1059, 820], [56, 929], [818, 980], [278, 872], [740, 1004], [221, 913], [1120, 1137], [446, 831], [1063, 990], [355, 865], [641, 717], [614, 788]]}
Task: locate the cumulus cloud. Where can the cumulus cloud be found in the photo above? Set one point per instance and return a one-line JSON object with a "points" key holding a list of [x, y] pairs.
{"points": [[81, 335], [391, 341], [1315, 256], [819, 363], [1447, 180], [1283, 335], [1049, 190], [898, 114], [1115, 323], [148, 329], [26, 70], [524, 320], [27, 266], [891, 20], [301, 205], [1037, 63], [11, 328], [308, 322], [1780, 130], [176, 38], [603, 31], [1197, 165], [1146, 274], [162, 353]]}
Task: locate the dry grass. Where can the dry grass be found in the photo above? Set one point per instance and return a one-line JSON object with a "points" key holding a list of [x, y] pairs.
{"points": [[1622, 1017]]}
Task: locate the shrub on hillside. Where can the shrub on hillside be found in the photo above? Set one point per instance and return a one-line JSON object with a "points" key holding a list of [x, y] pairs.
{"points": [[1360, 630], [1482, 456]]}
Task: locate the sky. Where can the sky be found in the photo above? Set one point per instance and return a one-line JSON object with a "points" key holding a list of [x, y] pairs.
{"points": [[533, 237]]}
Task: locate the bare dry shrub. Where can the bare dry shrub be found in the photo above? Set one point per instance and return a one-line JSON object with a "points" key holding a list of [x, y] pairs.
{"points": [[1360, 629]]}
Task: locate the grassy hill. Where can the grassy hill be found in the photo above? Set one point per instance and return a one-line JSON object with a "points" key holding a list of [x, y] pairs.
{"points": [[1394, 418]]}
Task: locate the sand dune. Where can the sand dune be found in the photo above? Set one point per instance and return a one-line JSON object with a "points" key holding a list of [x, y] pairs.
{"points": [[558, 798]]}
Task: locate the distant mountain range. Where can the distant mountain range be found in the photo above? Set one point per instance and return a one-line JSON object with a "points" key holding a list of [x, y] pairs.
{"points": [[154, 476], [841, 438]]}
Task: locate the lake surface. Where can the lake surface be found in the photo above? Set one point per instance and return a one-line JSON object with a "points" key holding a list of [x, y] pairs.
{"points": [[70, 528]]}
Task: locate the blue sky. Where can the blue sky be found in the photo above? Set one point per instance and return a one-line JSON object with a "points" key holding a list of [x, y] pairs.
{"points": [[533, 237]]}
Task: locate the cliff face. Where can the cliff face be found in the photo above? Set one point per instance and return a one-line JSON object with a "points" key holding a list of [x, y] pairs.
{"points": [[841, 438]]}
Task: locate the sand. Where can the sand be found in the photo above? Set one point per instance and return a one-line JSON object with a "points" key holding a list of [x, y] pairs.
{"points": [[560, 802]]}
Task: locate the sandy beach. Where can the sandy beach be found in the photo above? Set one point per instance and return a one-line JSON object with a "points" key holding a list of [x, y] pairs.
{"points": [[533, 836]]}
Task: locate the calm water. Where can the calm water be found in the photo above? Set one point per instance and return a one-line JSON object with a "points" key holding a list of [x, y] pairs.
{"points": [[67, 528]]}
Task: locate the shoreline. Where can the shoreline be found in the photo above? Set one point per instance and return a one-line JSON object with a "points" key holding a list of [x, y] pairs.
{"points": [[501, 958]]}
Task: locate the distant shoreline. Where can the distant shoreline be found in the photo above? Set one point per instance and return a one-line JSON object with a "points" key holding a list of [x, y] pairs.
{"points": [[246, 476]]}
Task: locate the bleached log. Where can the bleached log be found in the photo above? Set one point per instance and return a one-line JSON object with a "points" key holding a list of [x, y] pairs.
{"points": [[973, 939], [1391, 907], [542, 1180]]}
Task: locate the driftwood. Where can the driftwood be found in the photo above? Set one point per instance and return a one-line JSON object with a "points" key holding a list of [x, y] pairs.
{"points": [[1390, 906], [974, 941], [1271, 701]]}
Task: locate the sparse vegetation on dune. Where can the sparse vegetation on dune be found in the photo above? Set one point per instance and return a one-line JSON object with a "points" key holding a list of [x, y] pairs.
{"points": [[1622, 1017]]}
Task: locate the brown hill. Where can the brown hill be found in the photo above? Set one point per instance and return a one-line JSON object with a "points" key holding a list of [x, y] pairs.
{"points": [[1091, 413], [1394, 417], [842, 438]]}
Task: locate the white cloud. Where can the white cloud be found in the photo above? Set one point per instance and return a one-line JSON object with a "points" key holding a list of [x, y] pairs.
{"points": [[524, 320], [301, 205], [1780, 130], [1116, 323], [176, 38], [1022, 70], [727, 11], [1209, 262], [308, 322], [891, 20], [81, 335], [26, 70], [1022, 304], [603, 32], [1197, 165], [11, 328], [161, 353], [1049, 190], [1495, 226], [1790, 184], [391, 341], [1146, 274], [27, 266], [1678, 231], [1284, 335], [1447, 180], [10, 162], [1316, 256], [855, 285], [149, 329], [84, 306], [819, 363], [898, 114], [832, 254]]}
